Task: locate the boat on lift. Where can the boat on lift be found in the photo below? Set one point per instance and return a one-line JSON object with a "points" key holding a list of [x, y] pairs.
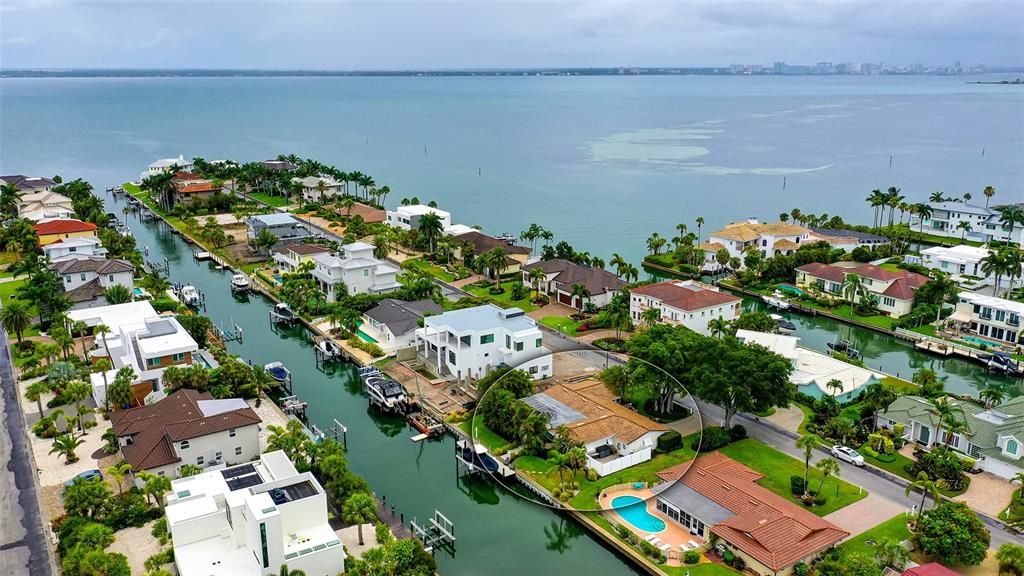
{"points": [[190, 296], [278, 372], [843, 347], [240, 283], [282, 313], [367, 371], [784, 326], [1002, 362], [776, 300], [386, 395], [328, 349]]}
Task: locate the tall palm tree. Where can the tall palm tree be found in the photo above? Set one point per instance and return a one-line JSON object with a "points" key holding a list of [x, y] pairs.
{"points": [[651, 316], [15, 317], [1014, 259], [927, 486], [619, 263], [853, 288], [536, 276], [995, 264], [807, 443], [35, 392], [924, 212], [1009, 216], [828, 467], [580, 294], [118, 473], [892, 200], [631, 273], [381, 246], [431, 227], [718, 326], [988, 192], [936, 197], [875, 199], [964, 227], [654, 243], [359, 509]]}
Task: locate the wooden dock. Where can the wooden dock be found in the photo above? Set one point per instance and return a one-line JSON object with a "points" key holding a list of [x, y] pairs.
{"points": [[393, 520]]}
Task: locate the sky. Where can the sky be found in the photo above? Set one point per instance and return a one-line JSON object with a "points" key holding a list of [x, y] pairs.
{"points": [[421, 34]]}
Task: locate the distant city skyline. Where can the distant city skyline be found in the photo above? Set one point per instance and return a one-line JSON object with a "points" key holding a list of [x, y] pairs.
{"points": [[510, 34]]}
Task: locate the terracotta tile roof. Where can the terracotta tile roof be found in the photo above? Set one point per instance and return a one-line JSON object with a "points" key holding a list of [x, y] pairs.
{"points": [[155, 427], [597, 280], [771, 529], [195, 187], [68, 226], [482, 243], [302, 249], [785, 244], [899, 290], [930, 569], [903, 281], [747, 231], [824, 271], [186, 176], [692, 297], [604, 417], [369, 214], [712, 246]]}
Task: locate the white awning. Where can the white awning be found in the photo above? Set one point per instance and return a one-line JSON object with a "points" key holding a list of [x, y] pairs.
{"points": [[960, 316]]}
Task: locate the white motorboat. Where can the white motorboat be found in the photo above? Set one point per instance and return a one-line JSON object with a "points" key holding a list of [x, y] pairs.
{"points": [[278, 372], [190, 296], [386, 395], [776, 300], [282, 313], [239, 283], [782, 325], [328, 349]]}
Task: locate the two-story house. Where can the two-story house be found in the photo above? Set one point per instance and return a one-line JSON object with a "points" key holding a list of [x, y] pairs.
{"points": [[848, 240], [318, 188], [45, 205], [770, 239], [52, 231], [894, 290], [560, 276], [87, 246], [470, 342], [251, 519], [86, 278], [284, 227], [354, 271], [190, 188], [393, 322], [408, 217], [290, 256], [28, 184], [186, 427], [996, 320], [983, 222], [165, 165], [684, 303]]}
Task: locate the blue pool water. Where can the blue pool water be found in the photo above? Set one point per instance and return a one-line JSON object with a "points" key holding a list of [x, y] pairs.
{"points": [[979, 341], [634, 511]]}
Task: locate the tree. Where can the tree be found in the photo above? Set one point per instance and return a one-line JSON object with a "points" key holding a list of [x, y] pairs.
{"points": [[924, 212], [580, 294], [359, 509], [655, 243], [953, 533], [190, 470], [35, 392], [86, 498], [155, 485], [930, 382], [995, 264], [431, 227], [926, 486], [15, 317], [1009, 216], [964, 227], [65, 445], [991, 396], [988, 192], [265, 240], [1011, 559], [853, 289], [576, 460], [197, 326], [807, 442], [118, 473], [536, 276], [77, 391], [834, 385], [120, 392], [828, 467], [650, 316], [890, 552], [285, 571], [718, 327], [117, 294], [381, 246]]}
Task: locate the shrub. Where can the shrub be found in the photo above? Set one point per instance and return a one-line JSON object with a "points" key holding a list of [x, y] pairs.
{"points": [[713, 438], [129, 509], [737, 432], [592, 475], [518, 291], [691, 557], [728, 557], [382, 532], [801, 569], [670, 441], [160, 531], [796, 485], [739, 564], [622, 531], [165, 305], [159, 559]]}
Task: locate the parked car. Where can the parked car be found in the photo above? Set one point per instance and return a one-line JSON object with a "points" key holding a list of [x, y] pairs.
{"points": [[87, 475], [847, 454]]}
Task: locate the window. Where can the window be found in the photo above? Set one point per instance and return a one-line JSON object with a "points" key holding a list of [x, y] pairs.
{"points": [[177, 357], [152, 362], [82, 276], [238, 450], [1011, 446], [263, 544], [451, 357], [487, 339], [218, 456], [519, 346], [73, 249], [231, 433], [533, 369], [1000, 315], [199, 460], [467, 340], [67, 278], [184, 445], [540, 342], [110, 277], [508, 341], [366, 273], [887, 301]]}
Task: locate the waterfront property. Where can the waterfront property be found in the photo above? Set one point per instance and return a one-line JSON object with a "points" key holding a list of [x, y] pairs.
{"points": [[290, 256], [44, 205], [284, 227], [718, 495], [52, 231], [468, 343], [894, 290], [848, 240], [994, 320], [993, 436], [369, 214], [27, 185], [354, 271], [408, 217], [770, 239], [85, 278], [983, 223], [189, 188], [279, 165], [250, 519], [86, 246], [560, 276], [958, 261], [614, 436], [318, 188], [684, 303], [812, 370], [166, 164], [392, 323], [186, 427], [518, 256], [140, 339]]}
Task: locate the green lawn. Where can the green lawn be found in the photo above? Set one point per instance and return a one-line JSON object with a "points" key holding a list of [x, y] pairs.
{"points": [[275, 201], [561, 323], [808, 412], [927, 330], [879, 320], [482, 434], [430, 268], [778, 467], [505, 299], [899, 385], [895, 528], [7, 290]]}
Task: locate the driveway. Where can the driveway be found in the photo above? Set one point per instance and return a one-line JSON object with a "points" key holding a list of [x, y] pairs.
{"points": [[865, 514], [988, 493]]}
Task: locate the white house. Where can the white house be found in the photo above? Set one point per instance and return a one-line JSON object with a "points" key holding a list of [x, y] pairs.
{"points": [[393, 322], [984, 226], [282, 226], [408, 217], [848, 240], [768, 239], [44, 205], [354, 271], [186, 427], [85, 278], [318, 188], [994, 320], [957, 261], [290, 256], [74, 247], [684, 303], [250, 519], [468, 343], [561, 275], [165, 164], [141, 339]]}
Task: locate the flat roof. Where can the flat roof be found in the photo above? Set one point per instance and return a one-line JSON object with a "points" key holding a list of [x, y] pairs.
{"points": [[482, 318], [420, 209], [782, 345], [115, 315], [275, 219]]}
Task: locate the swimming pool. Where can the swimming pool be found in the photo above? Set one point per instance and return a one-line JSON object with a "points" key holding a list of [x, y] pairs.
{"points": [[634, 511], [979, 341], [364, 336]]}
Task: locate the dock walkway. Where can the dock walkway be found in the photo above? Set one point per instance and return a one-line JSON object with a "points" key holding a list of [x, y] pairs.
{"points": [[393, 520]]}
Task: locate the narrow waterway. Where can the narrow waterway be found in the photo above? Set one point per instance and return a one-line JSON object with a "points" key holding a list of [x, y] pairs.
{"points": [[497, 532]]}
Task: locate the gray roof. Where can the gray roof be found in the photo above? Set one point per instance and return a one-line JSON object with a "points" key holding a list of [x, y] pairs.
{"points": [[693, 503], [401, 316], [27, 182], [275, 219], [863, 237], [486, 317], [557, 412], [961, 207]]}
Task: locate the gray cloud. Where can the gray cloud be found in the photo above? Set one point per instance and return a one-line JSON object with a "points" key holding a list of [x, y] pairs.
{"points": [[486, 34]]}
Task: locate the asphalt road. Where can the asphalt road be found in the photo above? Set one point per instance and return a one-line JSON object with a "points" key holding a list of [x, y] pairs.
{"points": [[23, 541]]}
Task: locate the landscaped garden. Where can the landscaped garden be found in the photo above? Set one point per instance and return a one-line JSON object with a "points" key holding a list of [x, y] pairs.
{"points": [[895, 529], [429, 268], [561, 323], [508, 297], [274, 201]]}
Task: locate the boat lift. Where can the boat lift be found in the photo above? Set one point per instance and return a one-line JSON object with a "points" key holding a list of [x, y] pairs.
{"points": [[474, 457], [232, 335], [439, 532], [165, 268], [294, 406], [339, 432]]}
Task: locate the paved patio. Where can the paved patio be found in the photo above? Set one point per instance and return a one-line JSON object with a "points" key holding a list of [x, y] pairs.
{"points": [[988, 493], [672, 535], [864, 514]]}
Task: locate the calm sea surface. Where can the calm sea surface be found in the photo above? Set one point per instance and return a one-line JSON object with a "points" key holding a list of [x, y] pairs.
{"points": [[601, 161]]}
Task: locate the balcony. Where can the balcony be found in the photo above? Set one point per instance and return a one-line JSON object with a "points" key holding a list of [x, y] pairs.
{"points": [[1013, 321]]}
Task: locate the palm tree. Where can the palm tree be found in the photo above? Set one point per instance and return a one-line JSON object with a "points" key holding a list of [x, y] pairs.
{"points": [[892, 200], [655, 243], [263, 383], [117, 294], [924, 212], [834, 385], [619, 263], [964, 227], [118, 473], [991, 396], [631, 273], [580, 294], [989, 192], [120, 391], [700, 223], [1019, 478], [381, 246], [496, 261], [1009, 216], [853, 287], [35, 392], [265, 240], [1014, 259], [927, 486], [536, 276], [359, 509], [967, 197], [285, 571], [65, 445], [155, 486], [431, 227], [828, 467], [190, 470], [995, 265], [15, 317], [936, 197], [875, 199], [718, 326], [651, 316], [808, 443]]}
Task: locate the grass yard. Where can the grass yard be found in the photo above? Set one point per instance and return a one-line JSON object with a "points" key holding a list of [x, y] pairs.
{"points": [[505, 299], [482, 434], [7, 290], [808, 412], [879, 320], [561, 323], [895, 528], [927, 330], [430, 268], [274, 201], [778, 467], [899, 385]]}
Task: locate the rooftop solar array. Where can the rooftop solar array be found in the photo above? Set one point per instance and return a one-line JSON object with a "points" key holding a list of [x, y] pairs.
{"points": [[241, 477]]}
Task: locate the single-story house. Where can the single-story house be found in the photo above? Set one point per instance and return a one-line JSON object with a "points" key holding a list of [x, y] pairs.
{"points": [[561, 275], [393, 322], [847, 240], [895, 290], [369, 214], [481, 243]]}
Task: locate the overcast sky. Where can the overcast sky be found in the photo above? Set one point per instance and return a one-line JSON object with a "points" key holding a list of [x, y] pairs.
{"points": [[385, 34]]}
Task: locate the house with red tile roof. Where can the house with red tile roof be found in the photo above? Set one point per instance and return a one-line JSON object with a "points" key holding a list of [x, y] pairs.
{"points": [[187, 427], [52, 231], [894, 289], [718, 495], [930, 569], [684, 303], [189, 187]]}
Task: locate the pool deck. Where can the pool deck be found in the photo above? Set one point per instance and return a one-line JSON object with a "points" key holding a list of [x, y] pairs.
{"points": [[673, 534]]}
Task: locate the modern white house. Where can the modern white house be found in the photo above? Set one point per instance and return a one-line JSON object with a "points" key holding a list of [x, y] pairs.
{"points": [[408, 217], [354, 271], [684, 303], [165, 164], [283, 226], [962, 260], [468, 343], [290, 256], [393, 323], [28, 184], [989, 319], [250, 519], [983, 223], [561, 275], [894, 290], [85, 278], [44, 205], [187, 427], [994, 436], [769, 239], [141, 339], [75, 247], [318, 188]]}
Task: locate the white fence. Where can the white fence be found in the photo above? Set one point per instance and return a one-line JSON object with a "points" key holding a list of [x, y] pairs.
{"points": [[606, 468]]}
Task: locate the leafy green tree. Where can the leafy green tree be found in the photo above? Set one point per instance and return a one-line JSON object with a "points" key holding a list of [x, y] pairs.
{"points": [[190, 470], [35, 391], [1011, 559], [953, 533], [827, 467], [198, 327], [755, 321], [807, 443], [890, 552], [120, 391], [927, 486], [15, 317], [931, 384], [194, 377], [359, 509], [118, 472], [117, 294]]}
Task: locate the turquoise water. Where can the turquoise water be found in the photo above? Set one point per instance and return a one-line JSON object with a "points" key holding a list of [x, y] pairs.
{"points": [[979, 341], [366, 337], [634, 511]]}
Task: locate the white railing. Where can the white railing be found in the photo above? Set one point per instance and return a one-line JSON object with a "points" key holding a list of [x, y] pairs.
{"points": [[612, 466]]}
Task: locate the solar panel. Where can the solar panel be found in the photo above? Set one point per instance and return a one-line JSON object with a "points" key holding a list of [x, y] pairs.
{"points": [[235, 471], [243, 482], [558, 413]]}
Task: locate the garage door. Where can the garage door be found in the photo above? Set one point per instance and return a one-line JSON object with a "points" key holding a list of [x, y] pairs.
{"points": [[564, 298]]}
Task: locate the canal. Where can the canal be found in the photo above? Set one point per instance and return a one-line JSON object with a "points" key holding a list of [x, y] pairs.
{"points": [[497, 531]]}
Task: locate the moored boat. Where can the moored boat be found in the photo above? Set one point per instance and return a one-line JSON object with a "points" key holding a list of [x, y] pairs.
{"points": [[386, 395], [843, 347], [426, 424], [190, 296], [239, 283], [278, 372], [784, 326], [282, 313]]}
